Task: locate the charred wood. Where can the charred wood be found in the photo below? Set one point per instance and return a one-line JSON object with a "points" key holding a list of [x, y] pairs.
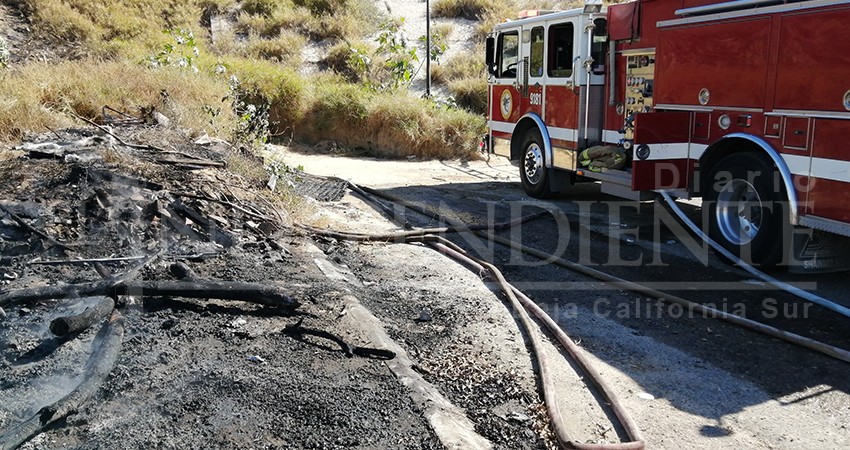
{"points": [[200, 163], [95, 175], [223, 202], [35, 230], [216, 234], [182, 271], [224, 290], [298, 332], [76, 323], [60, 262]]}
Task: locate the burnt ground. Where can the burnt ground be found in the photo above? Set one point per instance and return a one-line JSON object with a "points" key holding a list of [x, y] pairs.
{"points": [[226, 374]]}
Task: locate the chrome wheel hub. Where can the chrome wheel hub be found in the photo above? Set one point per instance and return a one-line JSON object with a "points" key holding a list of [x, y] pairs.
{"points": [[533, 163], [740, 212]]}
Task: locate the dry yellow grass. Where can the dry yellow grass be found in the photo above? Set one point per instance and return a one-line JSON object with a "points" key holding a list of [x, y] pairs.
{"points": [[41, 95], [285, 48], [119, 37]]}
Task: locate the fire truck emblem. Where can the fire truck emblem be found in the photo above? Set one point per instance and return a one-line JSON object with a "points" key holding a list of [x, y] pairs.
{"points": [[506, 104]]}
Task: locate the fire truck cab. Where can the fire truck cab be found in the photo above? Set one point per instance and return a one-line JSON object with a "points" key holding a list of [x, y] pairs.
{"points": [[744, 103]]}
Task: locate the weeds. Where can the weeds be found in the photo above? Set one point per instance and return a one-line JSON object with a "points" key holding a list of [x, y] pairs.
{"points": [[181, 53], [252, 121], [438, 44], [399, 59]]}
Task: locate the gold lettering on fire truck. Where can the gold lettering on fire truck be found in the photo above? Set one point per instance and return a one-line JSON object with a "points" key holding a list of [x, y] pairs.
{"points": [[506, 104]]}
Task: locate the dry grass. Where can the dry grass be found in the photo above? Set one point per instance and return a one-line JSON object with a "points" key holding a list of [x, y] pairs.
{"points": [[318, 19], [286, 48], [467, 9], [334, 106], [117, 36], [464, 65], [38, 96], [388, 124], [254, 171], [110, 28], [443, 29], [470, 94]]}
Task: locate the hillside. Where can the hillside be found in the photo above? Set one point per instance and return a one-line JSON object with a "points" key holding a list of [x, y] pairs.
{"points": [[235, 70]]}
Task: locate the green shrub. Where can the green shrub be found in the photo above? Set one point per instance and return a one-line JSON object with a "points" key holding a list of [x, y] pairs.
{"points": [[282, 89], [351, 61]]}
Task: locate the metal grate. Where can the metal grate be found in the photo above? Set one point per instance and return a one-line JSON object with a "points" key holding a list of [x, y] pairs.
{"points": [[320, 188]]}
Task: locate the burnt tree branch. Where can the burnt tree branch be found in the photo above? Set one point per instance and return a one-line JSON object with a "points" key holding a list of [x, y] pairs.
{"points": [[66, 325], [225, 290]]}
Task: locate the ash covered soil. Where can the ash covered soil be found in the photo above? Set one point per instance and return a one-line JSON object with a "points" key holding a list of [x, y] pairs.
{"points": [[227, 373]]}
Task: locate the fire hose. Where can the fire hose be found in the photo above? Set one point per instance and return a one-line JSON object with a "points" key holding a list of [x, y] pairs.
{"points": [[793, 338], [522, 305]]}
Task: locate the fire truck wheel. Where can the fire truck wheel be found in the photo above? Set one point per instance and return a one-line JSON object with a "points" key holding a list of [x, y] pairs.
{"points": [[532, 167], [745, 210]]}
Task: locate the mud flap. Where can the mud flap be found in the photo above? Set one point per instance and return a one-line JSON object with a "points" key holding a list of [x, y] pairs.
{"points": [[560, 180], [815, 251]]}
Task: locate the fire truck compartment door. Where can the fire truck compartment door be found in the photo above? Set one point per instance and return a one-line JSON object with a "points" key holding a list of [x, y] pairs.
{"points": [[662, 127], [623, 21], [661, 151]]}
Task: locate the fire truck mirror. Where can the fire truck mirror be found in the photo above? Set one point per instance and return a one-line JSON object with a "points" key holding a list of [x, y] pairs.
{"points": [[599, 46], [491, 55]]}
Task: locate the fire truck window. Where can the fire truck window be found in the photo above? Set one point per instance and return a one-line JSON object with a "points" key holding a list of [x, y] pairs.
{"points": [[561, 50], [536, 63], [508, 54], [599, 46]]}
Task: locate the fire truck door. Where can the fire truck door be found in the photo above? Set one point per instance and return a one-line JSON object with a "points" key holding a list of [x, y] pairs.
{"points": [[561, 96], [531, 71], [505, 97]]}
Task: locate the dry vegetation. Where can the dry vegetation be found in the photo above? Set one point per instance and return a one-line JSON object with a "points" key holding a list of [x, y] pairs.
{"points": [[158, 54]]}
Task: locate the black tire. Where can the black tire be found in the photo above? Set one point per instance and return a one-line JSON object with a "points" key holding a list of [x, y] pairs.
{"points": [[532, 165], [747, 211]]}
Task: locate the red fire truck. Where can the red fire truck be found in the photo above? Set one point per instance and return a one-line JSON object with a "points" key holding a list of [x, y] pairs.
{"points": [[744, 103]]}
